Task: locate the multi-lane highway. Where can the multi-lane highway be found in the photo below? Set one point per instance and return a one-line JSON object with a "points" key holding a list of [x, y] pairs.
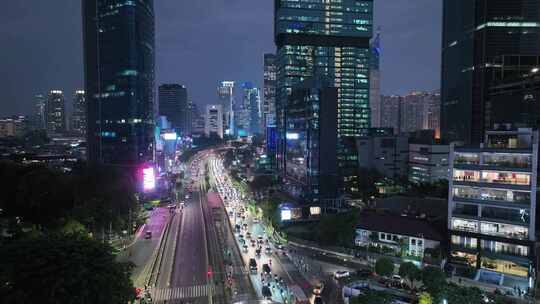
{"points": [[212, 243]]}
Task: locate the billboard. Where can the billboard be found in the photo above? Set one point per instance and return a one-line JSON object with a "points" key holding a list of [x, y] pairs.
{"points": [[149, 179]]}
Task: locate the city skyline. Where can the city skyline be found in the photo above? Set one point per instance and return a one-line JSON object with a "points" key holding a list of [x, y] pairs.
{"points": [[176, 54]]}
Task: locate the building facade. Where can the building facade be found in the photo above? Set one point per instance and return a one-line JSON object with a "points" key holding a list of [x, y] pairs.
{"points": [[492, 207], [319, 38], [12, 127], [173, 103], [55, 113], [375, 82], [213, 121], [119, 81], [226, 100], [386, 153], [78, 117], [311, 137], [40, 111], [428, 163], [391, 112], [480, 38], [269, 91]]}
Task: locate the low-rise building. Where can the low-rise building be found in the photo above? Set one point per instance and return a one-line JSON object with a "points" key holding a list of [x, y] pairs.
{"points": [[400, 235], [384, 152], [12, 127], [428, 163]]}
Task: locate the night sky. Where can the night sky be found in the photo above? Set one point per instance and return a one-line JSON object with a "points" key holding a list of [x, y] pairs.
{"points": [[198, 43]]}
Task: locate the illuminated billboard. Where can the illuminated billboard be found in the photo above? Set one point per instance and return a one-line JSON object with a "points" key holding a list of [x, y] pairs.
{"points": [[292, 136], [169, 136], [286, 215], [149, 179]]}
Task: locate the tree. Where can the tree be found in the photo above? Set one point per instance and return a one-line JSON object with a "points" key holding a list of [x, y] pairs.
{"points": [[59, 269], [434, 279], [409, 271], [384, 266], [425, 298]]}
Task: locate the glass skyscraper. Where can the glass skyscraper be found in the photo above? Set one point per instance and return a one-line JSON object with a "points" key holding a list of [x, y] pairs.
{"points": [[173, 103], [119, 80], [328, 39], [484, 42]]}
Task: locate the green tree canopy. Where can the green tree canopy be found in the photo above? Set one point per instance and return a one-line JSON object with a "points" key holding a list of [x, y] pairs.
{"points": [[58, 269], [384, 266], [434, 279], [410, 272]]}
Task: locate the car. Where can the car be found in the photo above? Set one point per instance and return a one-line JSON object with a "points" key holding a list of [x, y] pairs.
{"points": [[268, 250], [258, 252], [148, 234], [240, 236], [318, 288], [341, 274], [248, 235], [245, 247], [256, 220], [252, 265], [266, 269], [252, 243], [266, 292]]}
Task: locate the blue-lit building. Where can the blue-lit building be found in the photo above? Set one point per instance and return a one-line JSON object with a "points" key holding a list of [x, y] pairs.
{"points": [[311, 139], [119, 80], [331, 40]]}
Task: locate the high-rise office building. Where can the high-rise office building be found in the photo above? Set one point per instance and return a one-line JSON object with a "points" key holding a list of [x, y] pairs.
{"points": [[226, 100], [119, 80], [375, 82], [173, 103], [391, 112], [482, 43], [78, 116], [492, 208], [214, 121], [247, 112], [40, 114], [322, 38], [311, 135], [255, 111], [55, 113], [269, 91]]}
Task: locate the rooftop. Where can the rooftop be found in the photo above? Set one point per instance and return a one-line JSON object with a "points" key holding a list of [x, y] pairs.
{"points": [[401, 225]]}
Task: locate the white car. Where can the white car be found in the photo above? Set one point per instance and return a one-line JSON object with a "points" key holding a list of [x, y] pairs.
{"points": [[341, 274]]}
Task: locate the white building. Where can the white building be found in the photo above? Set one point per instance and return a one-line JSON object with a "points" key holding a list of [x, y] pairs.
{"points": [[492, 208], [214, 121]]}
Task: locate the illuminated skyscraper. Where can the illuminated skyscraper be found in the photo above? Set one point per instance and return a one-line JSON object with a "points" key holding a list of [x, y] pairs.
{"points": [[40, 103], [328, 39], [119, 80], [269, 90], [226, 100], [55, 112], [78, 117]]}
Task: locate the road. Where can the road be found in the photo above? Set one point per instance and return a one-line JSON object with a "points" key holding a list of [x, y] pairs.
{"points": [[183, 274]]}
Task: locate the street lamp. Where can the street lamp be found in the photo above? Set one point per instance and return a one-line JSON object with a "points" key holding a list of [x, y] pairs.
{"points": [[535, 70]]}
